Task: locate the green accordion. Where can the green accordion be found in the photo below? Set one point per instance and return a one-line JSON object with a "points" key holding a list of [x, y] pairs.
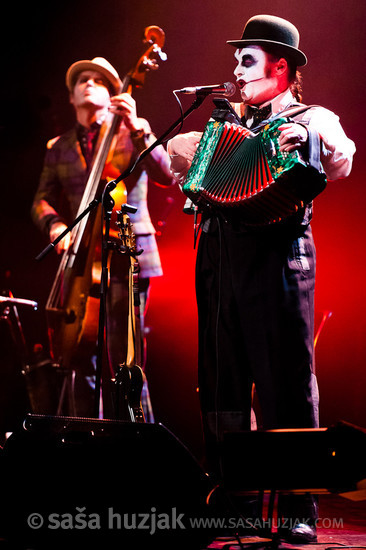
{"points": [[236, 168]]}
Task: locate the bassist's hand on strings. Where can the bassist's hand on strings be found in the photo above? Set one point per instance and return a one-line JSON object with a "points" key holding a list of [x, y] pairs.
{"points": [[56, 230], [125, 106]]}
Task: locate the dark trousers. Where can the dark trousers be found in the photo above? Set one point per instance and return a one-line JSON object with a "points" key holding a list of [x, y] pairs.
{"points": [[255, 297]]}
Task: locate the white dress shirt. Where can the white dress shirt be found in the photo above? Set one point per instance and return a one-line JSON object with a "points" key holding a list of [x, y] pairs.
{"points": [[337, 149]]}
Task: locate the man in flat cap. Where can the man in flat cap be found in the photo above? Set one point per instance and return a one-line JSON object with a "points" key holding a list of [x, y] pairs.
{"points": [[255, 285], [96, 94]]}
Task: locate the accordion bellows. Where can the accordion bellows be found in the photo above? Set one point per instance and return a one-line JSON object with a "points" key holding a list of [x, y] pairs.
{"points": [[236, 168]]}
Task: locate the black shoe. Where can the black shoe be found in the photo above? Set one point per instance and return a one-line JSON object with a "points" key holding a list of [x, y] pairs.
{"points": [[300, 534]]}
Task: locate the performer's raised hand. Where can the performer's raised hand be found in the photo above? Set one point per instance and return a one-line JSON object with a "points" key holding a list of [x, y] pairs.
{"points": [[293, 136], [185, 145]]}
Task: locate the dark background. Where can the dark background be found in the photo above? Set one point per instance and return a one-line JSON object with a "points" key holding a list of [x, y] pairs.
{"points": [[40, 41]]}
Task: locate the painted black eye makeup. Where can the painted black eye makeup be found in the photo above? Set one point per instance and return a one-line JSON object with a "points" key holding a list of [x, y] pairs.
{"points": [[247, 60]]}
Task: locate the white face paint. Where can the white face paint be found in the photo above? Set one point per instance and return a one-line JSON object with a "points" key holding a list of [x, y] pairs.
{"points": [[256, 76]]}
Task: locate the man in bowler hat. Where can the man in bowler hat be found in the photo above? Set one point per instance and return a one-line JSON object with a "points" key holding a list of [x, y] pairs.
{"points": [[255, 285]]}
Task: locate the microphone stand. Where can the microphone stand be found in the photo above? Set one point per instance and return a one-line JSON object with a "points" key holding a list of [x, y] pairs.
{"points": [[107, 204]]}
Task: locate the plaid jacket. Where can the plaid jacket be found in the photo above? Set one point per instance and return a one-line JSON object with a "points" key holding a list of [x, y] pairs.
{"points": [[64, 176]]}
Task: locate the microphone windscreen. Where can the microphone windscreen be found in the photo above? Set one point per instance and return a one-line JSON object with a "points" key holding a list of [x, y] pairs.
{"points": [[230, 89]]}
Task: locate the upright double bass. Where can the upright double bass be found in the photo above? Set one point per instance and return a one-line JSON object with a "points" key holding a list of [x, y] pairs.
{"points": [[73, 304]]}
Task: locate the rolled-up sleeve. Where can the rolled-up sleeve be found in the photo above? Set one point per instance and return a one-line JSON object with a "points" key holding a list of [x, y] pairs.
{"points": [[337, 149]]}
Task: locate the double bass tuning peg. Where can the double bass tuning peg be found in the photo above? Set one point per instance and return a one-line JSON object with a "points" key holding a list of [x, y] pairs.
{"points": [[150, 64], [163, 56]]}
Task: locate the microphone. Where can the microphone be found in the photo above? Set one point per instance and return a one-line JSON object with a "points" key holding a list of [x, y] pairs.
{"points": [[227, 89]]}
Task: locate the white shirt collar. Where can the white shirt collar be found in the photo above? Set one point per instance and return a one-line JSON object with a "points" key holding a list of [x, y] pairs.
{"points": [[280, 102]]}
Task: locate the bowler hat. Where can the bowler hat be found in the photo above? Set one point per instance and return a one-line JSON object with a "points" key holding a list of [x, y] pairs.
{"points": [[97, 64], [269, 29]]}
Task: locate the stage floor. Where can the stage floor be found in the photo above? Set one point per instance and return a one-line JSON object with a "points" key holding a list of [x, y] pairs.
{"points": [[342, 524]]}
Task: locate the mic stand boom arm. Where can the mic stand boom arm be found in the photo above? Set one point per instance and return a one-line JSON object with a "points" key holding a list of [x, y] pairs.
{"points": [[107, 204]]}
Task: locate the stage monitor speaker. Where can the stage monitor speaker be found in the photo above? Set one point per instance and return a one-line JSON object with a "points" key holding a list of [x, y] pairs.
{"points": [[70, 479], [324, 460], [14, 402]]}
